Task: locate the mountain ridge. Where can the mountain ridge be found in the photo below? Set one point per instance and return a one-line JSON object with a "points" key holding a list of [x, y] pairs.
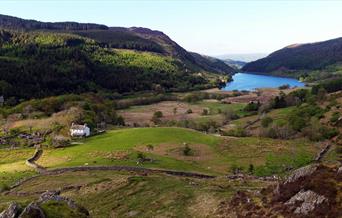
{"points": [[300, 57]]}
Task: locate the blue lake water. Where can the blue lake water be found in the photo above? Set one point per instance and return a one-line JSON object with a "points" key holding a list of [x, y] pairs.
{"points": [[249, 82]]}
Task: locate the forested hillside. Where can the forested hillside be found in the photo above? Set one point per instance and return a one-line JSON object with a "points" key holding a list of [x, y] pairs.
{"points": [[300, 57], [42, 59]]}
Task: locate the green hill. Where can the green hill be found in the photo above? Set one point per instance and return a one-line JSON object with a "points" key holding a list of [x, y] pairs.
{"points": [[40, 59], [300, 57]]}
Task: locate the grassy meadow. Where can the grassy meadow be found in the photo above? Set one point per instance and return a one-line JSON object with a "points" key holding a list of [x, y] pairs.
{"points": [[209, 154]]}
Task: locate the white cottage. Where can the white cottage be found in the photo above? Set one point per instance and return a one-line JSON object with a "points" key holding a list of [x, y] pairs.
{"points": [[79, 130]]}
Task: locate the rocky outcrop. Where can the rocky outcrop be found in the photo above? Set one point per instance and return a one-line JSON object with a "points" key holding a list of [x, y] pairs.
{"points": [[307, 202], [32, 211], [311, 191], [55, 196], [12, 211]]}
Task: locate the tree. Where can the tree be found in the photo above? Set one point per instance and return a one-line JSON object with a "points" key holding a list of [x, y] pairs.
{"points": [[174, 111], [187, 150], [156, 117]]}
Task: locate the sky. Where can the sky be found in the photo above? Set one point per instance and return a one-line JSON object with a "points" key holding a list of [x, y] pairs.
{"points": [[208, 27]]}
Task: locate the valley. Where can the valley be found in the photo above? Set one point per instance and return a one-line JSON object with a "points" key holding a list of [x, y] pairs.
{"points": [[101, 121]]}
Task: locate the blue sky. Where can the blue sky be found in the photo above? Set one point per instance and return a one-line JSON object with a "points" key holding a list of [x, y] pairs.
{"points": [[208, 27]]}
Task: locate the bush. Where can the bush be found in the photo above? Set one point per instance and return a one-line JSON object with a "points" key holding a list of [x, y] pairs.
{"points": [[187, 151], [266, 121], [189, 111], [237, 132], [235, 169], [158, 114], [229, 114], [156, 117], [334, 117], [205, 112], [252, 106], [149, 147], [4, 187], [141, 156], [251, 168]]}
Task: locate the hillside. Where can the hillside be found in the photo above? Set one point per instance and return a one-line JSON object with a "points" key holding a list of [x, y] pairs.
{"points": [[235, 64], [300, 57], [40, 59]]}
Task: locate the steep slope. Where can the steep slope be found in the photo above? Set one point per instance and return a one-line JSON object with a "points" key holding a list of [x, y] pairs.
{"points": [[300, 57], [42, 59], [137, 38]]}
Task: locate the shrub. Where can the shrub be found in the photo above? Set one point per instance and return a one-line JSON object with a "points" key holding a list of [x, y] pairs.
{"points": [[189, 111], [187, 151], [141, 156], [175, 111], [235, 169], [251, 168], [266, 121], [205, 112], [158, 114], [237, 132], [149, 147], [334, 117], [229, 114], [252, 106], [4, 187], [156, 117]]}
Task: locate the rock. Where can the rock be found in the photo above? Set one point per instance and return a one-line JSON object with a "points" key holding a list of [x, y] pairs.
{"points": [[132, 213], [32, 211], [301, 172], [339, 171], [55, 196], [11, 212], [306, 202]]}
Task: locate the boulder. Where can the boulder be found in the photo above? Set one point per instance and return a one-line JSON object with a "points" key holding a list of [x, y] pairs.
{"points": [[301, 172], [32, 211], [11, 212], [55, 196], [306, 202]]}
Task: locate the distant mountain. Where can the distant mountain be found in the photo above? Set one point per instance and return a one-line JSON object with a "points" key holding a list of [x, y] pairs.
{"points": [[235, 64], [300, 57], [39, 59], [248, 57]]}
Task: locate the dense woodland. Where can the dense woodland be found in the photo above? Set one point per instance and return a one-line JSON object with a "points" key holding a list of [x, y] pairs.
{"points": [[44, 59]]}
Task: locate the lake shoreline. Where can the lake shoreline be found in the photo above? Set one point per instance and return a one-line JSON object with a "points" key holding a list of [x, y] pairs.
{"points": [[251, 81]]}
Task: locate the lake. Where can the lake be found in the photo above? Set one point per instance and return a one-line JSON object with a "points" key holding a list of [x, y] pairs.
{"points": [[249, 82]]}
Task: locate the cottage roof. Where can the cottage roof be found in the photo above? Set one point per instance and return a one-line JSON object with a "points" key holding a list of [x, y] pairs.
{"points": [[78, 127]]}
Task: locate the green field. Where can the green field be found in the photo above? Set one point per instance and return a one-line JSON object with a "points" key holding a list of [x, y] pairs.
{"points": [[211, 154]]}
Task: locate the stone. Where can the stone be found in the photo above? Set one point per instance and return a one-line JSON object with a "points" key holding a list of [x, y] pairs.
{"points": [[32, 211], [11, 212], [306, 201], [55, 196], [301, 172]]}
